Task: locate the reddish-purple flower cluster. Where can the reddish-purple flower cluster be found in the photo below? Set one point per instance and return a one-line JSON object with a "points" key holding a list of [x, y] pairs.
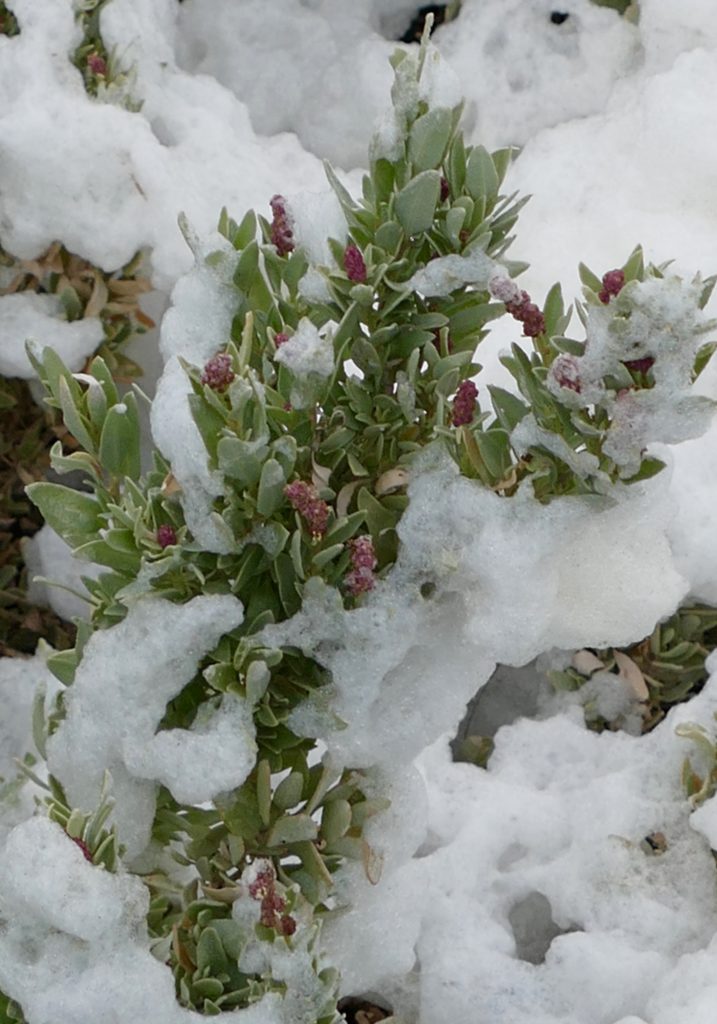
{"points": [[464, 404], [263, 888], [354, 264], [218, 372], [97, 64], [361, 578], [282, 235], [612, 284], [531, 317], [166, 535], [308, 504], [280, 339], [566, 373]]}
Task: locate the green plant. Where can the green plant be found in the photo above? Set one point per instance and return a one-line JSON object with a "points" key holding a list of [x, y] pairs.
{"points": [[664, 669], [314, 461]]}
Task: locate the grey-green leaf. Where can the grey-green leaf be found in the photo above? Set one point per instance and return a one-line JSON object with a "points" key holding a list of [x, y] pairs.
{"points": [[119, 450], [416, 203], [429, 137], [271, 488], [72, 514], [481, 175], [288, 792], [292, 829]]}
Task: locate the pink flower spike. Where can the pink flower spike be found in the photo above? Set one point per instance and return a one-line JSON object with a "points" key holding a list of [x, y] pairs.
{"points": [[311, 508], [166, 536], [361, 578], [464, 404], [218, 372], [354, 264], [282, 235]]}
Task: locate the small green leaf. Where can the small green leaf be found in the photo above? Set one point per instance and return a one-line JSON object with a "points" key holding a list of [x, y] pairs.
{"points": [[100, 371], [73, 419], [649, 467], [416, 203], [383, 179], [455, 219], [271, 488], [292, 828], [63, 665], [242, 818], [263, 791], [207, 988], [335, 820], [247, 268], [71, 303], [246, 232], [634, 269], [76, 516], [430, 134], [39, 726], [241, 460], [322, 558], [588, 279], [258, 677], [481, 176], [288, 793], [509, 409], [554, 310], [389, 236], [119, 450], [344, 197], [378, 518], [344, 528], [494, 446]]}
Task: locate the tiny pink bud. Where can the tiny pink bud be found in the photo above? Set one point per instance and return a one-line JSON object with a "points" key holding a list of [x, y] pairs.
{"points": [[97, 64], [166, 535], [464, 404], [612, 284], [280, 339], [354, 264], [287, 925], [282, 235], [218, 372]]}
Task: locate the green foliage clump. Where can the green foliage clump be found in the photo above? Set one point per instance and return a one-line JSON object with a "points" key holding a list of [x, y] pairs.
{"points": [[663, 669], [315, 461]]}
